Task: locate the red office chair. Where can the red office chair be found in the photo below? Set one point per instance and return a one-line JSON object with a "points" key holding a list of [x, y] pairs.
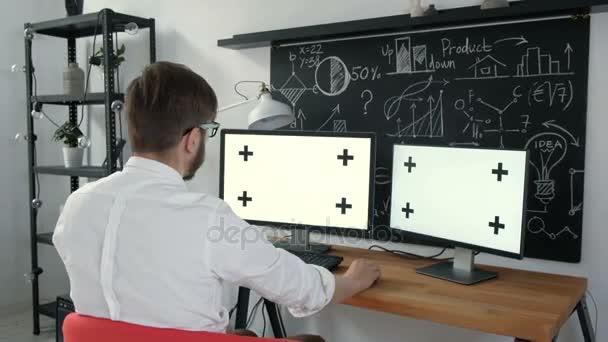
{"points": [[79, 328]]}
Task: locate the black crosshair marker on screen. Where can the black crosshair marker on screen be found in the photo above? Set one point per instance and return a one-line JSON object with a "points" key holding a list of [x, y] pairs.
{"points": [[410, 164], [245, 153], [345, 157], [496, 225], [343, 206], [499, 172], [407, 210], [245, 198]]}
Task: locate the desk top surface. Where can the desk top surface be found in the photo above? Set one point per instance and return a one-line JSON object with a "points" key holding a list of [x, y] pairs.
{"points": [[523, 304]]}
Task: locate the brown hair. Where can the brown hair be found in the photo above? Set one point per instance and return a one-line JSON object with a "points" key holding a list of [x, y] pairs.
{"points": [[164, 102]]}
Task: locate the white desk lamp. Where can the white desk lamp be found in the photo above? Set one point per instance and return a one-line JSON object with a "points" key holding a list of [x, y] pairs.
{"points": [[268, 114]]}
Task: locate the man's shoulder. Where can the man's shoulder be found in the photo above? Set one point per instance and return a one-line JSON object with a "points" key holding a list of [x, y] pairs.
{"points": [[97, 186], [208, 202]]}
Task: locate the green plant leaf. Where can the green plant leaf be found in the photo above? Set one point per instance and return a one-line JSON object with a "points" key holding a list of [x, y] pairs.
{"points": [[67, 133]]}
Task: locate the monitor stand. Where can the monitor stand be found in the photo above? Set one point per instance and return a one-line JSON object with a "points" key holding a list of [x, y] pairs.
{"points": [[462, 270], [300, 242]]}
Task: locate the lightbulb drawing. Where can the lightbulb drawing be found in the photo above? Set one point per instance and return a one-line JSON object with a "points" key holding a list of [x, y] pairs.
{"points": [[547, 150]]}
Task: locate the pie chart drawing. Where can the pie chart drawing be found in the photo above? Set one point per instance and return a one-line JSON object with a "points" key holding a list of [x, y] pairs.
{"points": [[332, 76]]}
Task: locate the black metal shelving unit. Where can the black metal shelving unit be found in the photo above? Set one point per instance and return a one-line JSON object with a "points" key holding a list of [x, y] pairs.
{"points": [[104, 23]]}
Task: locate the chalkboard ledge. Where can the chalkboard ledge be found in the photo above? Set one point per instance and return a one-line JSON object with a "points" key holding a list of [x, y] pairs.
{"points": [[450, 17]]}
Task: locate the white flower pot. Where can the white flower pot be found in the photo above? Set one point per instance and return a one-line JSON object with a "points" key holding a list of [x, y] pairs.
{"points": [[416, 9], [72, 156]]}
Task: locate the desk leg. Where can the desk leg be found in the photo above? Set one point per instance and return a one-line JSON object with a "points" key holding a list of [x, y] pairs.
{"points": [[585, 319], [242, 307], [275, 320]]}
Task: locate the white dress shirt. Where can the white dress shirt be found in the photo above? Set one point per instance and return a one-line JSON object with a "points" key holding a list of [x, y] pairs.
{"points": [[140, 248]]}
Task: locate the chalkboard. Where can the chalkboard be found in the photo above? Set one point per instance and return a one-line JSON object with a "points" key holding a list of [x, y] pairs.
{"points": [[516, 85]]}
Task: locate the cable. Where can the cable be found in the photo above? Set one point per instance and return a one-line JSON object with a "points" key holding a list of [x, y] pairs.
{"points": [[35, 80], [36, 173], [596, 314], [411, 255], [86, 84], [281, 321], [236, 90], [35, 84], [49, 118], [253, 312], [117, 72], [264, 318], [232, 310]]}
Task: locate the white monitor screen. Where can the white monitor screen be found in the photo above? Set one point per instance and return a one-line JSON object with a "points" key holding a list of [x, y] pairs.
{"points": [[473, 197], [288, 177]]}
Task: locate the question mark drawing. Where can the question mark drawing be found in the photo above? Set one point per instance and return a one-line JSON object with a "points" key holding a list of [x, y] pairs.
{"points": [[371, 97]]}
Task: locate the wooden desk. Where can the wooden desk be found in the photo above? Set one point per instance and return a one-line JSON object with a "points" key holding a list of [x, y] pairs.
{"points": [[529, 306]]}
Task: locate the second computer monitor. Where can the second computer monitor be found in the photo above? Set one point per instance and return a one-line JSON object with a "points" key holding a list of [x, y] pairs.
{"points": [[467, 197], [301, 179]]}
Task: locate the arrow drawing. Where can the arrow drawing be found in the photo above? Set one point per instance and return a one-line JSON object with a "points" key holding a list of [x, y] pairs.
{"points": [[334, 112], [413, 108], [399, 124], [521, 40], [551, 123], [301, 117], [392, 105], [569, 50]]}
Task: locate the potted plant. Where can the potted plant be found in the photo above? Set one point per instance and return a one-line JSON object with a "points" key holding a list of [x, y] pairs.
{"points": [[117, 58], [69, 133]]}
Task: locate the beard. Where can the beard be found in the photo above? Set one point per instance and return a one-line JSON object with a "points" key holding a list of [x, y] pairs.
{"points": [[196, 164]]}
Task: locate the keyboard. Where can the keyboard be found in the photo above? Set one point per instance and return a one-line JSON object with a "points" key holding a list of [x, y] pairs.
{"points": [[330, 262]]}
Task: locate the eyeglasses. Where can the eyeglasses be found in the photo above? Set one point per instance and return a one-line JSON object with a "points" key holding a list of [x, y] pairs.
{"points": [[210, 127]]}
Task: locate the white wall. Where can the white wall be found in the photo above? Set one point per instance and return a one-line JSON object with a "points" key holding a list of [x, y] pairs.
{"points": [[49, 59], [187, 32]]}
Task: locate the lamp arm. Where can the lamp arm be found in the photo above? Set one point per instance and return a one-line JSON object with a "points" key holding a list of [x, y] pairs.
{"points": [[237, 104]]}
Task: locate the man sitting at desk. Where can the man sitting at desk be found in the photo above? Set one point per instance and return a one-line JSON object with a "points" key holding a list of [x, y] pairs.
{"points": [[140, 248]]}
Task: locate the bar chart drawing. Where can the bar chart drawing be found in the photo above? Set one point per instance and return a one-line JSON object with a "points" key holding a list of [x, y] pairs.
{"points": [[534, 63], [428, 125], [411, 59]]}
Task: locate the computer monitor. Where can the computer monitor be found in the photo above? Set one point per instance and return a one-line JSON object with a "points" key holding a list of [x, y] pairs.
{"points": [[471, 198], [320, 181]]}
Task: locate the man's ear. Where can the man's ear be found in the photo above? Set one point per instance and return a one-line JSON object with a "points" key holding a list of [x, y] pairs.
{"points": [[192, 140]]}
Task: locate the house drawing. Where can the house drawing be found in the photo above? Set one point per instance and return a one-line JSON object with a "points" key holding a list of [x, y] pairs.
{"points": [[486, 68]]}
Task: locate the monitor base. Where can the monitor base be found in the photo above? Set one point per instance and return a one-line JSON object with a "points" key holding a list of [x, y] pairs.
{"points": [[462, 270], [446, 271]]}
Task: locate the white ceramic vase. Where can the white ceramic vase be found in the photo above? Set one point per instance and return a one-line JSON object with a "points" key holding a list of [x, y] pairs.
{"points": [[72, 156], [416, 9], [491, 4]]}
